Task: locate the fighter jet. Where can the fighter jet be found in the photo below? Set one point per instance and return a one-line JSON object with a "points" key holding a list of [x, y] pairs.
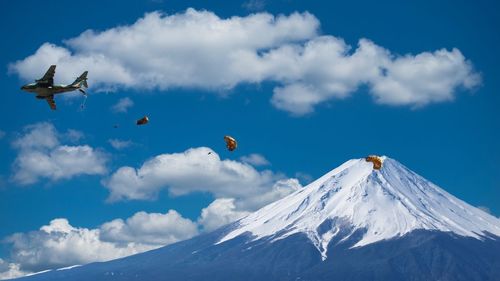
{"points": [[45, 89]]}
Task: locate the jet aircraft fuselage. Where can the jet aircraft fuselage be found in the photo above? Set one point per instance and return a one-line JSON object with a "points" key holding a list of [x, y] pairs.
{"points": [[44, 88], [44, 91]]}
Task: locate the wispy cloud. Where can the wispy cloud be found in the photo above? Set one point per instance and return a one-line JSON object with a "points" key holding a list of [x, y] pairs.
{"points": [[255, 159], [123, 105], [304, 177], [254, 5], [120, 144], [74, 135]]}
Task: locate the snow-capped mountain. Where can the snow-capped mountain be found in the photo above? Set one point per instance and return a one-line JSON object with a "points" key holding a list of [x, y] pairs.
{"points": [[385, 203], [357, 222]]}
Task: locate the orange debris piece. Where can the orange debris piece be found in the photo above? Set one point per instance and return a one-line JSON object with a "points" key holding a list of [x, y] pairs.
{"points": [[231, 143], [377, 161], [143, 121]]}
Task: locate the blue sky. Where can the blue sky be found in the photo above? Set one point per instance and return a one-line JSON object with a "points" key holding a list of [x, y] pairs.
{"points": [[449, 138]]}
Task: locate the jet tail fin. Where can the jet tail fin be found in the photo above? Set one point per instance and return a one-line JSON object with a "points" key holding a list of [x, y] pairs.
{"points": [[81, 81]]}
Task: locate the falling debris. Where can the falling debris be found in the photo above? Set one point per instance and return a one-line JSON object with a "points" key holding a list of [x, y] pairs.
{"points": [[82, 106], [231, 143], [143, 121], [376, 160]]}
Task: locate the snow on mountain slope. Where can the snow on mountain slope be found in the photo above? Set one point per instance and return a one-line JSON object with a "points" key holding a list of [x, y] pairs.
{"points": [[386, 203]]}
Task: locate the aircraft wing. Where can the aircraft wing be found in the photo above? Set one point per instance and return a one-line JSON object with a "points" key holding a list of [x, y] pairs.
{"points": [[48, 77], [51, 102]]}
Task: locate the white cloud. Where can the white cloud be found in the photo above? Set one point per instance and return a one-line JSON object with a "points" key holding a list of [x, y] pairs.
{"points": [[60, 244], [122, 105], [10, 270], [120, 144], [41, 155], [298, 99], [195, 170], [149, 228], [255, 159], [180, 50], [440, 73], [220, 212], [186, 50], [329, 70], [37, 136]]}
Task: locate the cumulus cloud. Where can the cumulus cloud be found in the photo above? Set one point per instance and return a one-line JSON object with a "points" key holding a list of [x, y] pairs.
{"points": [[255, 159], [179, 50], [440, 73], [122, 105], [186, 50], [237, 186], [59, 244], [220, 212], [195, 170], [41, 155], [149, 228], [39, 135], [120, 144]]}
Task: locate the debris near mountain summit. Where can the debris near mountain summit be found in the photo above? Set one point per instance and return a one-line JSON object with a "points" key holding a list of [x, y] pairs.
{"points": [[376, 160]]}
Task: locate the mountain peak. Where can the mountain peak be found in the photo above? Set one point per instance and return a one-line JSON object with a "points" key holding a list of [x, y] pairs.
{"points": [[377, 198]]}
